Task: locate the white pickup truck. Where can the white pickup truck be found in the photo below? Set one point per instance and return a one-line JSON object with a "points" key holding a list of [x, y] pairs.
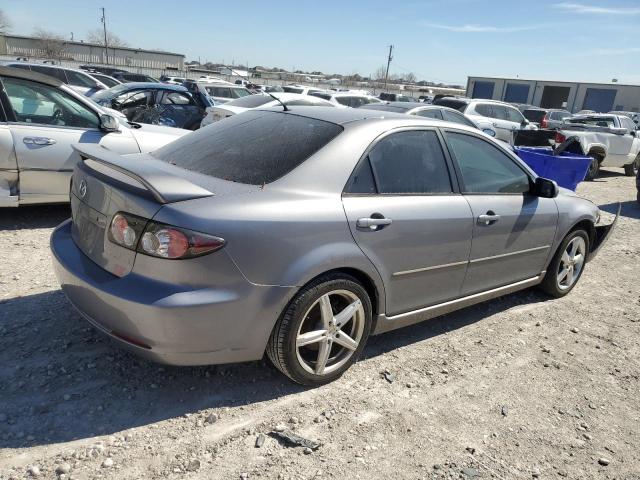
{"points": [[611, 140]]}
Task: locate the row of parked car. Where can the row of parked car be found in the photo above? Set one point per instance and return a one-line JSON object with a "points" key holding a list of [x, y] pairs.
{"points": [[142, 110]]}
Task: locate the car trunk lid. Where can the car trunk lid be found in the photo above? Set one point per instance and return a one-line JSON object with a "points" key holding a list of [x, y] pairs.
{"points": [[105, 183]]}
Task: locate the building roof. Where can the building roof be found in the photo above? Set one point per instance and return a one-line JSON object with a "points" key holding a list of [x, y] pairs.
{"points": [[89, 44], [609, 84]]}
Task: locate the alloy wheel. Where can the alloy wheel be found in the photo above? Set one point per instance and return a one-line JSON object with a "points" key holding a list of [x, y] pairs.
{"points": [[571, 263], [330, 332]]}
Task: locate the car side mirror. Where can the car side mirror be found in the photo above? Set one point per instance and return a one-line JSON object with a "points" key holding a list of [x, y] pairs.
{"points": [[109, 123], [545, 188]]}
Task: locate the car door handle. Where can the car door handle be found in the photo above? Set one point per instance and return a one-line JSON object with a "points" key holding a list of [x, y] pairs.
{"points": [[488, 219], [373, 222], [42, 141]]}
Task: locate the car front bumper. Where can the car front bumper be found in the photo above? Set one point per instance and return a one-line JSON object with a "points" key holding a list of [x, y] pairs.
{"points": [[602, 234], [165, 322]]}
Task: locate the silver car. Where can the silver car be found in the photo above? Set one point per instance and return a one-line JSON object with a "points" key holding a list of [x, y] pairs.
{"points": [[40, 118], [299, 233]]}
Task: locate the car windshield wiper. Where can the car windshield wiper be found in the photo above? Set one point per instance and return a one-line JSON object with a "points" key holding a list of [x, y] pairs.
{"points": [[135, 125]]}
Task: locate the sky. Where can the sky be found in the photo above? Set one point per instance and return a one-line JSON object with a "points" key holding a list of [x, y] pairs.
{"points": [[438, 40]]}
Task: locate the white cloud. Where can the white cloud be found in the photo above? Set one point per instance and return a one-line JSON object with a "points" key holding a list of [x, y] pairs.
{"points": [[582, 8], [482, 28]]}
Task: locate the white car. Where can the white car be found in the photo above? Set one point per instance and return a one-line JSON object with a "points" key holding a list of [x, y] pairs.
{"points": [[47, 117], [212, 79], [220, 112], [611, 140], [221, 93], [347, 99], [172, 80], [503, 118], [301, 89], [78, 80]]}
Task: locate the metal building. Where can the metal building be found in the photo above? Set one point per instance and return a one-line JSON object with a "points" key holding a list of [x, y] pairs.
{"points": [[572, 96], [130, 59]]}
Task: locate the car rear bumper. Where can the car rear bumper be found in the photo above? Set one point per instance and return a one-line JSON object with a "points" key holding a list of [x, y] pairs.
{"points": [[164, 322]]}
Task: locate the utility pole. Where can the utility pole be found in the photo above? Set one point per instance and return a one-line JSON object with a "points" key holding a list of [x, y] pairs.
{"points": [[106, 44], [386, 76], [72, 36]]}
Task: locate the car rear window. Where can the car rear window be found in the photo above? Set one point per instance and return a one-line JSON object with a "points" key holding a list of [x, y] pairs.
{"points": [[451, 103], [253, 148], [534, 115]]}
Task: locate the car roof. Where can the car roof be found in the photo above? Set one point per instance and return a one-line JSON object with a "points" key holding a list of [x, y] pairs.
{"points": [[156, 85], [341, 116], [46, 65], [29, 75]]}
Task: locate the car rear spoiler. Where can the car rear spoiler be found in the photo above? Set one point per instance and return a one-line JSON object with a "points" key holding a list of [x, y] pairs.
{"points": [[162, 185]]}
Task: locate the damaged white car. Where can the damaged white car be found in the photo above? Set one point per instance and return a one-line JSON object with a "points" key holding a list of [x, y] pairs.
{"points": [[40, 119], [611, 140]]}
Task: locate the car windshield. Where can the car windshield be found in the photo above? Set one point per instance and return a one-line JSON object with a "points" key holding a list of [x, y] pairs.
{"points": [[607, 122], [108, 81], [239, 92], [534, 115], [250, 101], [254, 148]]}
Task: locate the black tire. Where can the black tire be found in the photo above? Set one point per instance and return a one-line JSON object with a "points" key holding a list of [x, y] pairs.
{"points": [[550, 284], [631, 170], [282, 350], [594, 168]]}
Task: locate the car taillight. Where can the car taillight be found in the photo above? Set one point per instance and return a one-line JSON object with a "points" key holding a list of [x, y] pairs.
{"points": [[544, 123], [165, 241], [125, 230], [560, 138], [160, 240]]}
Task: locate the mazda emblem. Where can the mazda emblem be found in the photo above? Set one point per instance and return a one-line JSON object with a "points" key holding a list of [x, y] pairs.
{"points": [[82, 188]]}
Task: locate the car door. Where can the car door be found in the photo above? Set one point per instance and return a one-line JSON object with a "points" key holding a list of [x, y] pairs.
{"points": [[513, 230], [408, 218], [44, 122], [180, 108]]}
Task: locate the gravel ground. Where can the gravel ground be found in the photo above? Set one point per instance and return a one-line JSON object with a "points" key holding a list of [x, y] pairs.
{"points": [[520, 387]]}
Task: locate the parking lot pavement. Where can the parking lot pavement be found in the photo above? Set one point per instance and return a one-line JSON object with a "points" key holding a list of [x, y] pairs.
{"points": [[514, 388]]}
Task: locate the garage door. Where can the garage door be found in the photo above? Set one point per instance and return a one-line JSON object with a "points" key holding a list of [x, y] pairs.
{"points": [[599, 99], [483, 90], [516, 93]]}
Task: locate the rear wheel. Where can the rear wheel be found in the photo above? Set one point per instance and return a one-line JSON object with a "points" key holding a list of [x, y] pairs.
{"points": [[322, 332], [594, 167], [567, 265], [631, 170]]}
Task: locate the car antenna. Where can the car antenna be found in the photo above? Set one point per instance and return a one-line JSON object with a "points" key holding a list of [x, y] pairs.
{"points": [[278, 100]]}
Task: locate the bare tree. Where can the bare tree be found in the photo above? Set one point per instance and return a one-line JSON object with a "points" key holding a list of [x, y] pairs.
{"points": [[97, 36], [5, 22], [52, 45], [410, 77], [380, 73]]}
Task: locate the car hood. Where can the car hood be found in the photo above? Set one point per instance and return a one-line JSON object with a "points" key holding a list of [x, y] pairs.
{"points": [[152, 137]]}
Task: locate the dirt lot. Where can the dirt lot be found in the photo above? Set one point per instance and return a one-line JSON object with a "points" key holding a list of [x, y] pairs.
{"points": [[521, 387]]}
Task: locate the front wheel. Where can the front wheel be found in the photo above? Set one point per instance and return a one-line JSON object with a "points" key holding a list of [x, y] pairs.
{"points": [[631, 170], [567, 265], [322, 332]]}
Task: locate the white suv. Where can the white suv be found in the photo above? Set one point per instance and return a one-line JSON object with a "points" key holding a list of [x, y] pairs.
{"points": [[504, 118]]}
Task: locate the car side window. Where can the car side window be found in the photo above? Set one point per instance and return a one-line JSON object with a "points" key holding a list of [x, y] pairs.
{"points": [[628, 124], [514, 115], [132, 99], [456, 117], [37, 103], [176, 98], [500, 112], [362, 180], [80, 80], [484, 168], [431, 113], [485, 109], [410, 162]]}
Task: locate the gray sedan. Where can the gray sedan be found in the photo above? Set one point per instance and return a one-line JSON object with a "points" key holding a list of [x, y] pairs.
{"points": [[299, 233]]}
